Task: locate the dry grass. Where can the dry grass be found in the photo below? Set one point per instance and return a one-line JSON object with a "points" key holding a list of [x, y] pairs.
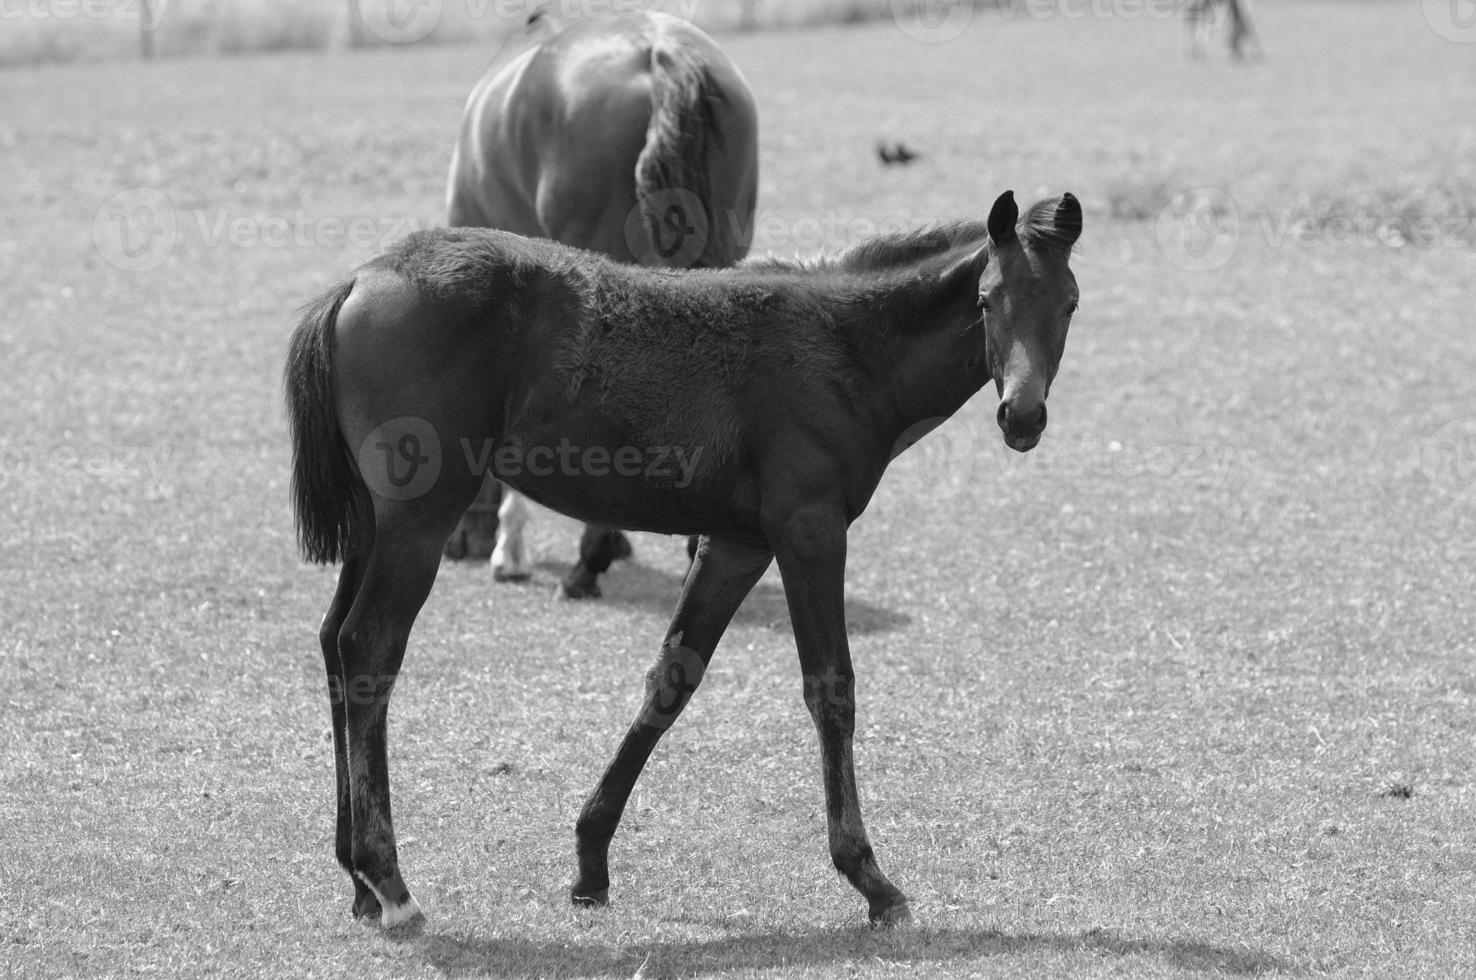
{"points": [[1133, 704]]}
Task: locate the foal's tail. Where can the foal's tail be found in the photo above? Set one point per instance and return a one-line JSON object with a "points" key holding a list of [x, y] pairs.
{"points": [[328, 493], [683, 120]]}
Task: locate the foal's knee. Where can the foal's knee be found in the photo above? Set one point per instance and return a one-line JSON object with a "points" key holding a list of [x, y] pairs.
{"points": [[831, 701], [670, 683]]}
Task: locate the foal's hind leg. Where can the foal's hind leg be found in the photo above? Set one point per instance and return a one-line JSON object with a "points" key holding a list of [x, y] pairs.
{"points": [[723, 574], [348, 586], [599, 547], [397, 577]]}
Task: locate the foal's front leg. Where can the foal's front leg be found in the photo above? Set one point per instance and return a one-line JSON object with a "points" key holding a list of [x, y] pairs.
{"points": [[811, 548], [722, 574]]}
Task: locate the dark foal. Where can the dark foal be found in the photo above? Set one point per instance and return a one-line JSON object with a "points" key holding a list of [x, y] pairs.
{"points": [[631, 136], [785, 388]]}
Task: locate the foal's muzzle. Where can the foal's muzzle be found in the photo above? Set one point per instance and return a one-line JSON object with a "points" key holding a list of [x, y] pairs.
{"points": [[1021, 426]]}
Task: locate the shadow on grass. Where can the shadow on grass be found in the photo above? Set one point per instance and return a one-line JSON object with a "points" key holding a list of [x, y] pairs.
{"points": [[634, 585], [458, 956]]}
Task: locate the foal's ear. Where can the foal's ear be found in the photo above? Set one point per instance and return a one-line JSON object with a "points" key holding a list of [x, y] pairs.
{"points": [[1067, 218], [1002, 218]]}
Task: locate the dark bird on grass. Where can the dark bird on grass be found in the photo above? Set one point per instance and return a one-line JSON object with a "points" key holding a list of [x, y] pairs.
{"points": [[898, 154]]}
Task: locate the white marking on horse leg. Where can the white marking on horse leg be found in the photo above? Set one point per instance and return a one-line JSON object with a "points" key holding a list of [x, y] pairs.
{"points": [[510, 556], [392, 914]]}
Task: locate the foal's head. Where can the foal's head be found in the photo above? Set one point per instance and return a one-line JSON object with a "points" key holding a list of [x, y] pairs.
{"points": [[1027, 295]]}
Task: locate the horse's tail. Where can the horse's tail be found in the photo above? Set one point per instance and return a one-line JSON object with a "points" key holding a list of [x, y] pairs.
{"points": [[328, 493], [671, 172]]}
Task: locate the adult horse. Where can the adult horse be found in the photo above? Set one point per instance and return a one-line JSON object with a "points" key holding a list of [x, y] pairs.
{"points": [[1205, 15], [756, 406], [635, 137]]}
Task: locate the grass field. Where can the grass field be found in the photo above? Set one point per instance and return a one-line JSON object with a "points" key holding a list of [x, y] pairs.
{"points": [[1189, 689]]}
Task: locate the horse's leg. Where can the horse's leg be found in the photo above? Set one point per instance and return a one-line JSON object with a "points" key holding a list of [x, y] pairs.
{"points": [[722, 575], [599, 547], [349, 580], [510, 557], [476, 535], [397, 577], [811, 548]]}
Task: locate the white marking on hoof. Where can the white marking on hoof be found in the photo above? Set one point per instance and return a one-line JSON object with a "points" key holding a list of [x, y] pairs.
{"points": [[398, 915], [393, 914], [506, 570]]}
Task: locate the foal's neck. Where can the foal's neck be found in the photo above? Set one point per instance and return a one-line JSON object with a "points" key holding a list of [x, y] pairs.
{"points": [[926, 337]]}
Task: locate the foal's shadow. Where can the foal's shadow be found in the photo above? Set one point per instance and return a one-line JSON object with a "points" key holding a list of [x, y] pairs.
{"points": [[461, 956], [630, 583]]}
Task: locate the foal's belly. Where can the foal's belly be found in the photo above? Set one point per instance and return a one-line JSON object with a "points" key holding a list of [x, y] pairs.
{"points": [[639, 494]]}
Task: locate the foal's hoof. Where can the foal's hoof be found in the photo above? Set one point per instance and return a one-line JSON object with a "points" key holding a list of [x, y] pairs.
{"points": [[891, 916], [620, 546], [455, 547], [366, 906], [597, 899], [401, 914], [579, 587]]}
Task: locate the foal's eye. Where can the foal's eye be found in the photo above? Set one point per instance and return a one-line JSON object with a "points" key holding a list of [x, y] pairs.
{"points": [[1071, 310]]}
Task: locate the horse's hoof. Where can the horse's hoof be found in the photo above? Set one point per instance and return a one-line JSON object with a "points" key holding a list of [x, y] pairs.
{"points": [[579, 589], [590, 900], [366, 906], [894, 915], [455, 547], [620, 547], [401, 914], [510, 574]]}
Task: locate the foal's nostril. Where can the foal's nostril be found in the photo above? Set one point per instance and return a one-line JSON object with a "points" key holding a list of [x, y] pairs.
{"points": [[1011, 421]]}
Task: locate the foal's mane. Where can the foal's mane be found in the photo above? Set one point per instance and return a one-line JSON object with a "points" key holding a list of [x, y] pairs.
{"points": [[883, 253], [1039, 228]]}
